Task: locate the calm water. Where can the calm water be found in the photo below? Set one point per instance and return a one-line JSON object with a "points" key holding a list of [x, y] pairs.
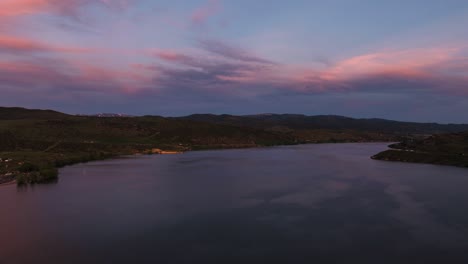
{"points": [[300, 204]]}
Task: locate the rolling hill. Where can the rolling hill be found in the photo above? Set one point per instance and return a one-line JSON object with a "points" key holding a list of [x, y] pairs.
{"points": [[302, 122]]}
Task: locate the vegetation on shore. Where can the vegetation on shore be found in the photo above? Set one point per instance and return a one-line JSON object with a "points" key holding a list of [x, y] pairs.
{"points": [[444, 149], [34, 143]]}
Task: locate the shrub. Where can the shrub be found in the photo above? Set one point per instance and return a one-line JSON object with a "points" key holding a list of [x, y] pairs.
{"points": [[21, 179], [33, 177], [48, 174], [28, 167]]}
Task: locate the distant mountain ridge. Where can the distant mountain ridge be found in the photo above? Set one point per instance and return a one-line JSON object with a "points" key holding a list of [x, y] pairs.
{"points": [[334, 122], [270, 121], [107, 115], [16, 113]]}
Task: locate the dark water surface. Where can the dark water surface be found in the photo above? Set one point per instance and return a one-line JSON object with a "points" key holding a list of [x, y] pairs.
{"points": [[299, 204]]}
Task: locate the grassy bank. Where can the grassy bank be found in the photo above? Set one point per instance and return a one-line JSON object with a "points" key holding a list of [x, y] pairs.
{"points": [[445, 149]]}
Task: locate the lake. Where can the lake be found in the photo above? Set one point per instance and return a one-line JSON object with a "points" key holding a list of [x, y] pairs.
{"points": [[326, 203]]}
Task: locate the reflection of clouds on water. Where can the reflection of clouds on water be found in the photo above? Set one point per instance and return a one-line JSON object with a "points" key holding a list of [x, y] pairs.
{"points": [[306, 199], [346, 178], [422, 223], [337, 186], [314, 194], [295, 204]]}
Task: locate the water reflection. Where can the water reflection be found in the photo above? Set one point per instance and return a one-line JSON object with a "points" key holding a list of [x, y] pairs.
{"points": [[31, 187], [300, 204]]}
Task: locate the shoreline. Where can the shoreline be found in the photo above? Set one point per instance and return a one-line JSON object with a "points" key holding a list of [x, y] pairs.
{"points": [[165, 152], [117, 156], [8, 183], [413, 157]]}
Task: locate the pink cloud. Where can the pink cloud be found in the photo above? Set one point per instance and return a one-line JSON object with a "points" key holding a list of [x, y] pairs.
{"points": [[15, 44], [71, 76], [12, 8], [12, 75], [21, 7], [106, 78], [217, 66], [171, 56], [428, 65], [202, 14], [442, 69], [410, 63]]}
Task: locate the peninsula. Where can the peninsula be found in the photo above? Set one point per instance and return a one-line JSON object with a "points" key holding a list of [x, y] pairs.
{"points": [[444, 149]]}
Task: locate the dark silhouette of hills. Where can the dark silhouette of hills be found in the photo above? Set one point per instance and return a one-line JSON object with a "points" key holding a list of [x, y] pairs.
{"points": [[333, 122], [16, 113]]}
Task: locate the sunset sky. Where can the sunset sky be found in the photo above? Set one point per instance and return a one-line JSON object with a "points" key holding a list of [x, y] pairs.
{"points": [[400, 59]]}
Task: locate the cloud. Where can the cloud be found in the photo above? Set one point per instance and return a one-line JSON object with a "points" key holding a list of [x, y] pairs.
{"points": [[437, 69], [21, 7], [219, 69], [14, 8], [410, 63], [225, 71], [230, 52], [42, 77], [12, 44], [206, 74], [202, 14], [224, 68], [175, 57]]}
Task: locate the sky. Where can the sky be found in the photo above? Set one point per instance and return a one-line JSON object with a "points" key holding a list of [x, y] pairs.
{"points": [[402, 59]]}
